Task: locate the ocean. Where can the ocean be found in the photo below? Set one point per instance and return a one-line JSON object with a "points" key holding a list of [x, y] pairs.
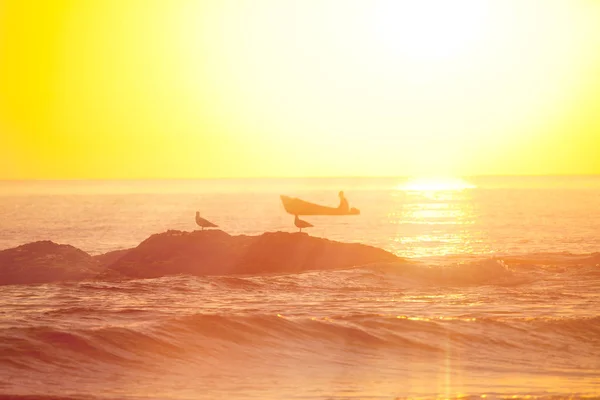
{"points": [[497, 294]]}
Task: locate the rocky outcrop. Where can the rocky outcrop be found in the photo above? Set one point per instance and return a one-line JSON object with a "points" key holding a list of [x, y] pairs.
{"points": [[209, 252], [46, 261], [109, 258], [213, 252], [176, 252], [295, 252]]}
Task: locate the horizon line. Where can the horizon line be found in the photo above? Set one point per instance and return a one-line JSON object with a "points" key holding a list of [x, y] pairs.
{"points": [[300, 177]]}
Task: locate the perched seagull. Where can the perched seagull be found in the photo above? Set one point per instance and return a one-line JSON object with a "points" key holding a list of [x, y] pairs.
{"points": [[203, 223], [301, 224]]}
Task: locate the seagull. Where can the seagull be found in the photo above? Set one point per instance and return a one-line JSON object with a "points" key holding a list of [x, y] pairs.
{"points": [[203, 223], [301, 224]]}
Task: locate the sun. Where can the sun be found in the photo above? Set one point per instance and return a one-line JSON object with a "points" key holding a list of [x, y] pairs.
{"points": [[430, 29]]}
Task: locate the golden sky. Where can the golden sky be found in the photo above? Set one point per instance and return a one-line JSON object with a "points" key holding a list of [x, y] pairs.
{"points": [[191, 89]]}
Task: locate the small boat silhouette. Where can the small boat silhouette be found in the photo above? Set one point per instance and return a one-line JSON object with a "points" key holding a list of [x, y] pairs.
{"points": [[297, 206]]}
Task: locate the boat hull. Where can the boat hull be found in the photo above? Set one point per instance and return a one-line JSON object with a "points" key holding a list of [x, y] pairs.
{"points": [[297, 206]]}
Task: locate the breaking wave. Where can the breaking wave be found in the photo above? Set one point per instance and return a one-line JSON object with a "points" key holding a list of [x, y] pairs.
{"points": [[202, 335]]}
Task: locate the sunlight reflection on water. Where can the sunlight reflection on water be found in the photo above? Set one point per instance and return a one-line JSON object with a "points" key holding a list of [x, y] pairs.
{"points": [[407, 219], [443, 206]]}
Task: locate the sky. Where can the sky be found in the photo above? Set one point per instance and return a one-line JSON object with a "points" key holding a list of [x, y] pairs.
{"points": [[111, 89]]}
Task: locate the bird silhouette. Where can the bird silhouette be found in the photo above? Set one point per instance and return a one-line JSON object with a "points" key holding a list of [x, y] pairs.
{"points": [[301, 224], [203, 223]]}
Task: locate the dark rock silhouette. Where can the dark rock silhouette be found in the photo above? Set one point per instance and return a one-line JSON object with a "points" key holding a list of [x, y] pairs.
{"points": [[209, 252], [109, 258], [46, 261], [217, 253], [177, 252]]}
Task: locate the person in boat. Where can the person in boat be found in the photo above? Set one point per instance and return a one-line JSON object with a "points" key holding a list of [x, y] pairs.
{"points": [[343, 203]]}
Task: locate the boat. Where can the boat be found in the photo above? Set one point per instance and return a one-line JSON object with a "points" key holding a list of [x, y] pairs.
{"points": [[297, 206]]}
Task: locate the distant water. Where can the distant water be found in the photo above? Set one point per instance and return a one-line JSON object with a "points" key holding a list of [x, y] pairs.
{"points": [[500, 296], [502, 215]]}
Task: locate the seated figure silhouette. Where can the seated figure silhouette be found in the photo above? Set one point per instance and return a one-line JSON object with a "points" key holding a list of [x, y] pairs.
{"points": [[343, 203]]}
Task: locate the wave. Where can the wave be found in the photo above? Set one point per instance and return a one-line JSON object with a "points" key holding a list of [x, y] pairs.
{"points": [[205, 335], [451, 271], [477, 272], [459, 270], [504, 271]]}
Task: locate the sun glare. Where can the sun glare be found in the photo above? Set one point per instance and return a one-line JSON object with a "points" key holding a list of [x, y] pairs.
{"points": [[430, 29], [435, 185], [216, 89]]}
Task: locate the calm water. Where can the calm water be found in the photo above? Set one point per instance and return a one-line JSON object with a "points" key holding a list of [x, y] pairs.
{"points": [[503, 215], [500, 297]]}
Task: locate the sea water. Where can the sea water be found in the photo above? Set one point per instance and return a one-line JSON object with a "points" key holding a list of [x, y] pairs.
{"points": [[497, 295]]}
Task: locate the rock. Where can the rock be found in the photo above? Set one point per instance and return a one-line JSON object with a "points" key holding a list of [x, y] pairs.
{"points": [[214, 252], [295, 252], [208, 252], [109, 258], [46, 261]]}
